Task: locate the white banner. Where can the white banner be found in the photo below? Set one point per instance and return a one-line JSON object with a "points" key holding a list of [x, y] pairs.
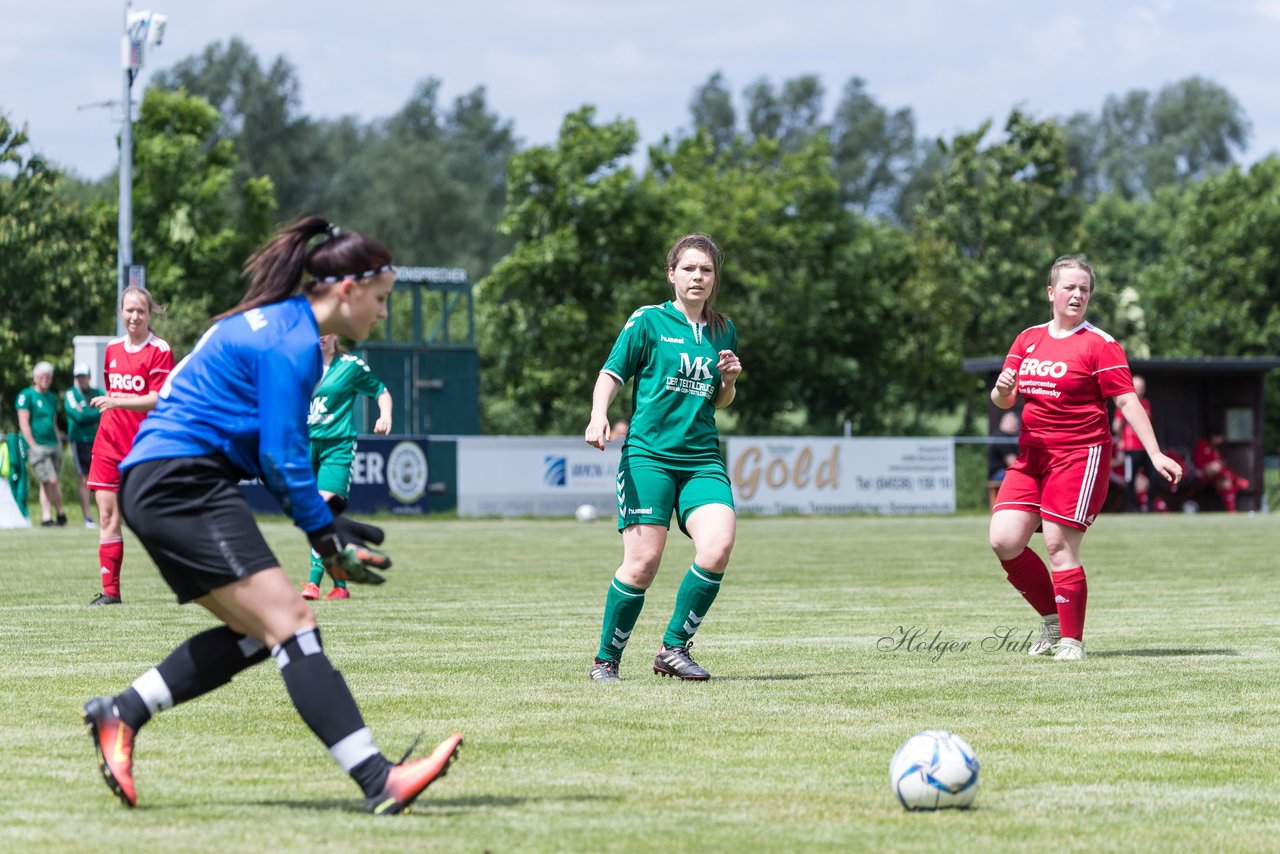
{"points": [[781, 474], [535, 476]]}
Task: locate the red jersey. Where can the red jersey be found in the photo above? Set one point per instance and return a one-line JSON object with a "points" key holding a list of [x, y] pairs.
{"points": [[1205, 453], [129, 372], [1066, 382], [1128, 438]]}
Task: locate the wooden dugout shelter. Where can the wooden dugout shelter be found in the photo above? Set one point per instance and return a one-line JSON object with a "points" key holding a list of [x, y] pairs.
{"points": [[1189, 397]]}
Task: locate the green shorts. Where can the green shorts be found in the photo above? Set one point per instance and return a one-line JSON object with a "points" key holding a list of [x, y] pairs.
{"points": [[648, 492], [331, 460]]}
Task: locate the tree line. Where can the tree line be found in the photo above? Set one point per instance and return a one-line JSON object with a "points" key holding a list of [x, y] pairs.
{"points": [[864, 261]]}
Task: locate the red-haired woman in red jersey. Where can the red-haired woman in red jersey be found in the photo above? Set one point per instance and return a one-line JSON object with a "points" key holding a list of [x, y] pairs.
{"points": [[1065, 370]]}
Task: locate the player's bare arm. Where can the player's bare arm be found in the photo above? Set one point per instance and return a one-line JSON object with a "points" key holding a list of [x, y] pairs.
{"points": [[142, 403], [598, 431], [1130, 406]]}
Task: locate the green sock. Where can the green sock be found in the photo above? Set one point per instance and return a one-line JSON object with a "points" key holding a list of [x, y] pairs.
{"points": [[621, 610], [317, 568], [697, 591]]}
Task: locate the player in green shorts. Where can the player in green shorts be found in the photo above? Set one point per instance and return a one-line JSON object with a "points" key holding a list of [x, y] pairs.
{"points": [[681, 354], [333, 435]]}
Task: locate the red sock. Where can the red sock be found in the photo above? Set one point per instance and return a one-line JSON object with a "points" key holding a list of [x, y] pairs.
{"points": [[1071, 592], [1030, 577], [110, 556]]}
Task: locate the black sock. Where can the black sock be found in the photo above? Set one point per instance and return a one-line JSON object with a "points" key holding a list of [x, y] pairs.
{"points": [[324, 702], [202, 663], [371, 774], [131, 709]]}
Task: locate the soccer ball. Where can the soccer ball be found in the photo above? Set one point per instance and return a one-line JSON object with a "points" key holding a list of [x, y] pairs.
{"points": [[585, 513], [934, 770]]}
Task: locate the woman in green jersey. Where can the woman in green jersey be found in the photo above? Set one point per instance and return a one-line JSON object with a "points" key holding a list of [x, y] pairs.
{"points": [[681, 354], [333, 435]]}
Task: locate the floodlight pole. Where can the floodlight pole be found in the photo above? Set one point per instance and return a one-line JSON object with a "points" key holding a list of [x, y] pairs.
{"points": [[139, 29], [124, 257]]}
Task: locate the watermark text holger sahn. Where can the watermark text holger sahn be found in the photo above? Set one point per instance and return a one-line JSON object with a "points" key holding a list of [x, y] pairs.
{"points": [[918, 639]]}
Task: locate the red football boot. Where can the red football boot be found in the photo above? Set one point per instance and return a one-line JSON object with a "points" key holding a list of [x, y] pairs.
{"points": [[113, 739]]}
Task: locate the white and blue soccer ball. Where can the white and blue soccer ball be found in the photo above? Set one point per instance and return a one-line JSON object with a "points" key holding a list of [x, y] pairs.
{"points": [[585, 513], [934, 770]]}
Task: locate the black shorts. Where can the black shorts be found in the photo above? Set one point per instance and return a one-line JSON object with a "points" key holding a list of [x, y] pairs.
{"points": [[193, 520], [82, 453]]}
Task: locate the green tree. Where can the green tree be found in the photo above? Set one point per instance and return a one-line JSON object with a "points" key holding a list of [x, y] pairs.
{"points": [[1197, 129], [587, 250], [260, 114], [1126, 237], [875, 151], [808, 283], [1216, 289], [790, 115], [194, 222], [58, 258], [429, 182], [711, 109], [988, 232], [1188, 131]]}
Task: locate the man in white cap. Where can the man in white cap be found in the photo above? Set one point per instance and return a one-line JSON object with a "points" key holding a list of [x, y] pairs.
{"points": [[82, 427], [38, 423]]}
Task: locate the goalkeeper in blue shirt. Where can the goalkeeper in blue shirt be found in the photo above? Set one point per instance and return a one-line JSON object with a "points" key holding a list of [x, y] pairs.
{"points": [[236, 407]]}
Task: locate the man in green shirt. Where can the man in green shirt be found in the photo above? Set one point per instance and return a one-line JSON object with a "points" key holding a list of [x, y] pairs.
{"points": [[82, 427], [333, 435], [38, 422]]}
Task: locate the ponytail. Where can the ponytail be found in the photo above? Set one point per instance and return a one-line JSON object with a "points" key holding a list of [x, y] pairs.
{"points": [[276, 270]]}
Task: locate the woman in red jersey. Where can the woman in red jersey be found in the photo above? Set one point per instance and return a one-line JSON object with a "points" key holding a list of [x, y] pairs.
{"points": [[136, 365], [1065, 370]]}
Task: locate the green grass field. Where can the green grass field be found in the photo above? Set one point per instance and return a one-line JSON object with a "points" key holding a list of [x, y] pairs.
{"points": [[1165, 739]]}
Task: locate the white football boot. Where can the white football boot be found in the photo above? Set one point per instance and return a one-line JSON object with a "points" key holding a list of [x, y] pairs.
{"points": [[1069, 649], [1050, 634]]}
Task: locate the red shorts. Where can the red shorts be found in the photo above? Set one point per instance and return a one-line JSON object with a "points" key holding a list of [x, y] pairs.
{"points": [[1066, 486], [104, 474]]}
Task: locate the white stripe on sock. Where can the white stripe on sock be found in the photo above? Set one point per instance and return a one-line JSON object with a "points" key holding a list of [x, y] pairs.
{"points": [[625, 593], [694, 570], [249, 646], [308, 644], [308, 641], [154, 692], [354, 749]]}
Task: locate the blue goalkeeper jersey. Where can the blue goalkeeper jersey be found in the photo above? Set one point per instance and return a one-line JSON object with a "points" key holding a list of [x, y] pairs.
{"points": [[243, 392]]}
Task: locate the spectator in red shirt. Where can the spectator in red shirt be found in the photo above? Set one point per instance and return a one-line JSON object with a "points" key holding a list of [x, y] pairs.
{"points": [[1211, 467], [1137, 467]]}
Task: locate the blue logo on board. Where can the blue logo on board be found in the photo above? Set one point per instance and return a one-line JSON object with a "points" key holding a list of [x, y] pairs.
{"points": [[557, 470]]}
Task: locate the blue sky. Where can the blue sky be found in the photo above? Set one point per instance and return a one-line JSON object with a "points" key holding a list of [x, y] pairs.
{"points": [[954, 63]]}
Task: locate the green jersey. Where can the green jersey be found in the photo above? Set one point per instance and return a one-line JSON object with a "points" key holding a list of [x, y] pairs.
{"points": [[333, 400], [674, 363], [43, 407], [82, 419]]}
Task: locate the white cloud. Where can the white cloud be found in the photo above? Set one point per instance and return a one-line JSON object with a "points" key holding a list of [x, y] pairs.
{"points": [[1268, 9]]}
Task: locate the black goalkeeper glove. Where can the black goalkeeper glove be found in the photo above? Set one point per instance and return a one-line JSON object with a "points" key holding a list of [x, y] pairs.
{"points": [[344, 550]]}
